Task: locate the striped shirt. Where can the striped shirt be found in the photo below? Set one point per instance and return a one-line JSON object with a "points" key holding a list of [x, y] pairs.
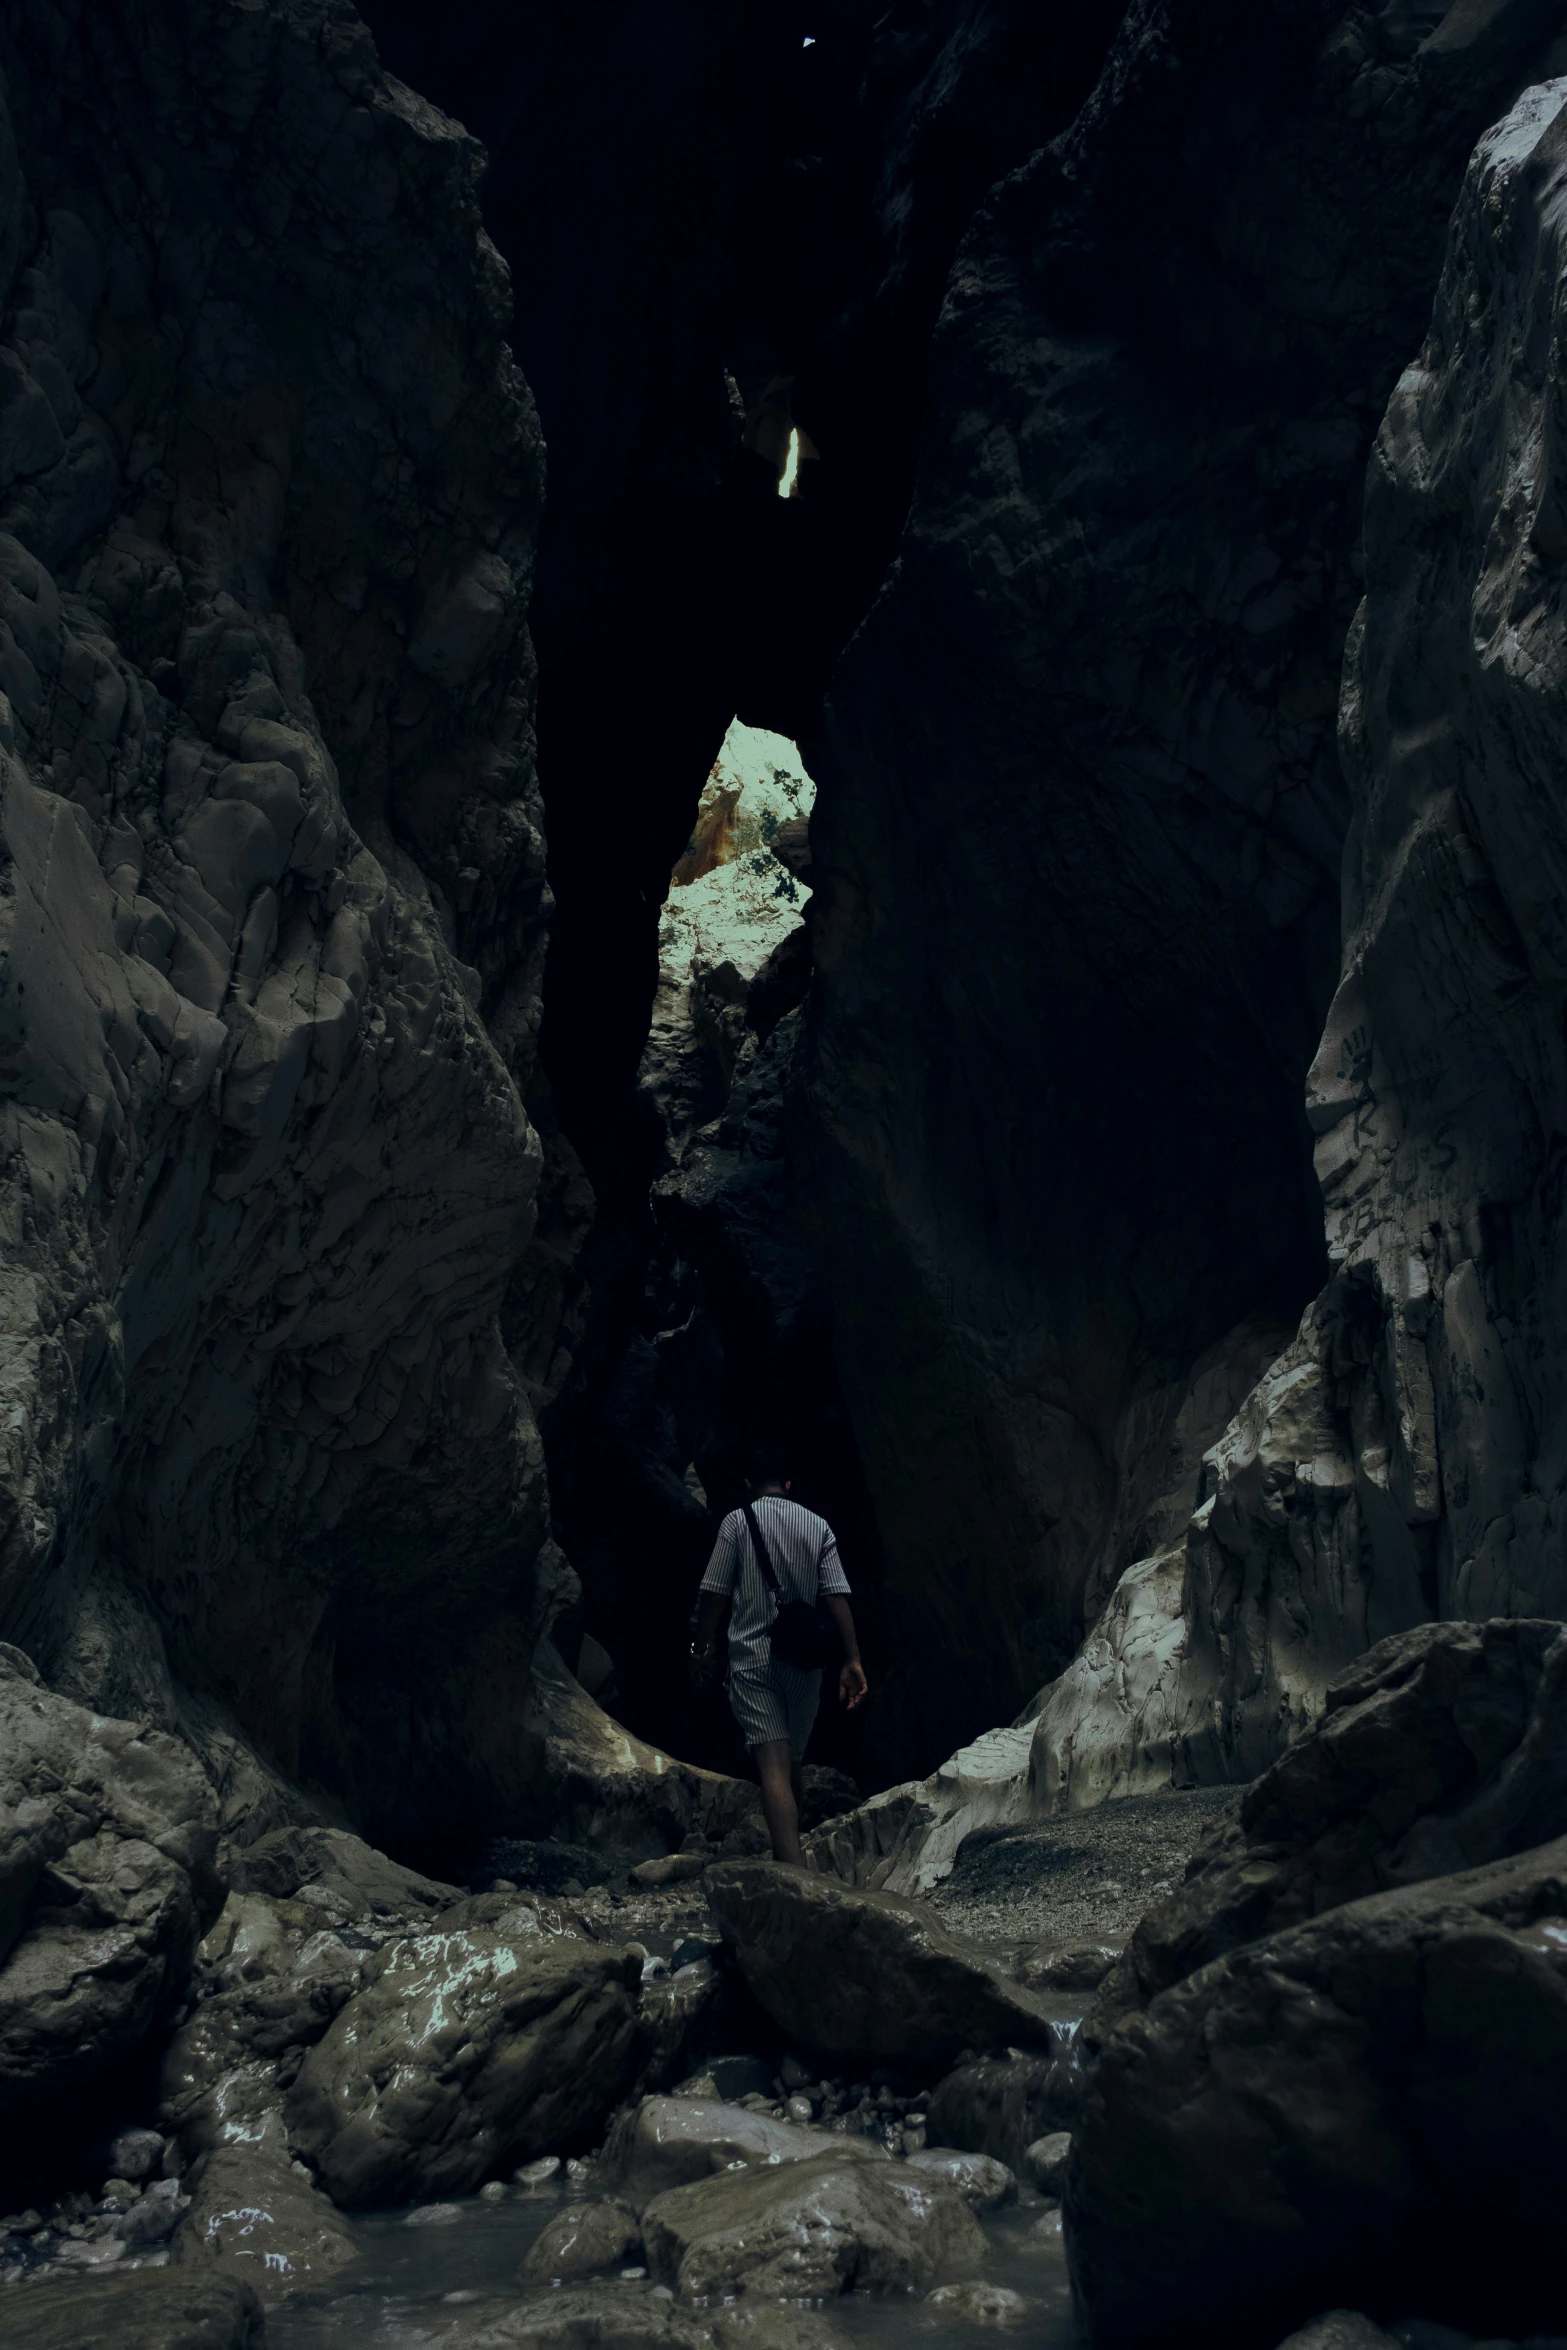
{"points": [[798, 1542]]}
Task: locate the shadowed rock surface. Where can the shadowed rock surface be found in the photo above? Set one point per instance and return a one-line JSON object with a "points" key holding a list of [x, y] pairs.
{"points": [[809, 2230], [1441, 1749], [1082, 751], [253, 2217], [460, 2057], [863, 1973], [1283, 2129], [668, 2142], [157, 2309], [271, 484], [107, 1844]]}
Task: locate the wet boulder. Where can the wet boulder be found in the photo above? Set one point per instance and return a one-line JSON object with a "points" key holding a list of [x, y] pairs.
{"points": [[809, 2230], [464, 2055], [1441, 1749], [146, 2309], [583, 2239], [108, 1834], [983, 2182], [254, 2217], [668, 2142], [864, 1975], [1280, 2133]]}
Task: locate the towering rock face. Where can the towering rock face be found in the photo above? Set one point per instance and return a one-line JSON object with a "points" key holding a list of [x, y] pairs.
{"points": [[273, 903], [1400, 1460], [1081, 811]]}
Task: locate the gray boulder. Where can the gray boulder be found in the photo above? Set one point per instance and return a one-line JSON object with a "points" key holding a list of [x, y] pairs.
{"points": [[669, 2142], [582, 2239], [252, 2216], [864, 1975], [149, 2309], [463, 2056], [107, 1842], [1281, 2131], [983, 2182], [808, 2230]]}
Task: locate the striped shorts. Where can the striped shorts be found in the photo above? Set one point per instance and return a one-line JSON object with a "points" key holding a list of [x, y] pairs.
{"points": [[775, 1701]]}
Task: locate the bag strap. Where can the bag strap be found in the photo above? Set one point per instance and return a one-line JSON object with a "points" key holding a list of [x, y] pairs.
{"points": [[763, 1557]]}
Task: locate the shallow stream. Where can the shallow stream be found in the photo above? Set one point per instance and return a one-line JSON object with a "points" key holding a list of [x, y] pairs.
{"points": [[448, 2284]]}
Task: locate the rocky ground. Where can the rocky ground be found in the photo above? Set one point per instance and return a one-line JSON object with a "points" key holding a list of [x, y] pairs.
{"points": [[707, 2084], [1085, 1878]]}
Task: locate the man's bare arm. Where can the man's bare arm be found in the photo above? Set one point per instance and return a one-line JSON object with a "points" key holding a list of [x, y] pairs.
{"points": [[853, 1687]]}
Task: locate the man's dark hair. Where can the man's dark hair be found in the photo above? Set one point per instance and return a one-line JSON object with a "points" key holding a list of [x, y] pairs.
{"points": [[767, 1464]]}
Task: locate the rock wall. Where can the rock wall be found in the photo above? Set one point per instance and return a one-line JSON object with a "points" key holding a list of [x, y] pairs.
{"points": [[1399, 1461], [273, 905], [1081, 808]]}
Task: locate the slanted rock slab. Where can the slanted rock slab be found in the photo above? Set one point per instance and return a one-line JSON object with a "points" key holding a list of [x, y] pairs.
{"points": [[150, 2309], [1438, 1750], [464, 2057], [807, 2230], [865, 1975]]}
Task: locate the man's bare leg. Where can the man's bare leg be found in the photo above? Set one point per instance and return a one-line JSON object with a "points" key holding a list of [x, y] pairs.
{"points": [[776, 1772]]}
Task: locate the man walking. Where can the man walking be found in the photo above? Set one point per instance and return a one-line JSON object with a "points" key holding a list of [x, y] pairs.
{"points": [[774, 1702]]}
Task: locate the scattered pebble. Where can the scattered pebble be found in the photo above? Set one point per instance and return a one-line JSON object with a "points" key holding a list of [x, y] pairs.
{"points": [[433, 2215], [494, 2191], [632, 2276]]}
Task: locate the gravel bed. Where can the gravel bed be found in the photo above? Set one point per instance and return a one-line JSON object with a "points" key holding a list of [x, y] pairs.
{"points": [[1087, 1877]]}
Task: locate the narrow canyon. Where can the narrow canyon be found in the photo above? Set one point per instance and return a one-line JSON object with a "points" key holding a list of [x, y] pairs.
{"points": [[783, 1118]]}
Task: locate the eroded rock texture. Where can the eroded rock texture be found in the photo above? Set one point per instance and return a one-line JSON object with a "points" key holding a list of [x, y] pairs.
{"points": [[273, 898], [1282, 2130], [1440, 1750], [1401, 1460], [107, 1841], [1081, 814]]}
